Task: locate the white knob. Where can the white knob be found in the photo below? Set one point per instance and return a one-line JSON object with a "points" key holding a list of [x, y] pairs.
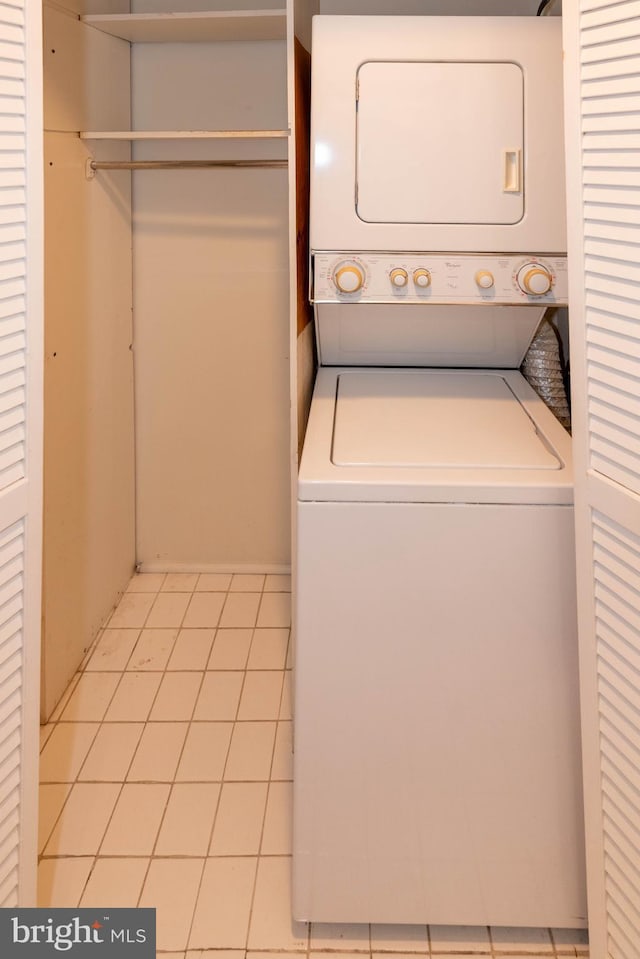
{"points": [[484, 279], [422, 278], [348, 278], [534, 279], [399, 277]]}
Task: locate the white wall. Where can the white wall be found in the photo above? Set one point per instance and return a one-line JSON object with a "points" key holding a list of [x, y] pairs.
{"points": [[211, 313]]}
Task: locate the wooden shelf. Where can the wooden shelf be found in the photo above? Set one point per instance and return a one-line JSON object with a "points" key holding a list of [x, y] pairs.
{"points": [[183, 134], [192, 27]]}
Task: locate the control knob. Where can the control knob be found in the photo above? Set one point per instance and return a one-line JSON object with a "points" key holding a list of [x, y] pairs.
{"points": [[422, 278], [399, 277], [534, 279], [348, 277], [484, 279]]}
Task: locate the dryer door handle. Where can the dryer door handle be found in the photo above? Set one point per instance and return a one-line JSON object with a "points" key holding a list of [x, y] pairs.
{"points": [[512, 171]]}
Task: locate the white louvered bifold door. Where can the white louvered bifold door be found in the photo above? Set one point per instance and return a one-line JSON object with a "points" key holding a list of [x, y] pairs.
{"points": [[602, 110], [21, 349]]}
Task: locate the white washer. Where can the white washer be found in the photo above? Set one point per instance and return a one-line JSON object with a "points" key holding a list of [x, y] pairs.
{"points": [[437, 771]]}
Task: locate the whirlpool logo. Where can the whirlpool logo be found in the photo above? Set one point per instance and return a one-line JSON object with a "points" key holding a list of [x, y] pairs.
{"points": [[37, 933]]}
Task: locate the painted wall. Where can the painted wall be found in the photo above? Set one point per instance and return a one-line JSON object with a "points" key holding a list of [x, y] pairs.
{"points": [[469, 8], [88, 467], [211, 305]]}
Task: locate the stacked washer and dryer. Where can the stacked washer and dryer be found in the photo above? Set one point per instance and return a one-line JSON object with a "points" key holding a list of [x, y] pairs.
{"points": [[437, 754]]}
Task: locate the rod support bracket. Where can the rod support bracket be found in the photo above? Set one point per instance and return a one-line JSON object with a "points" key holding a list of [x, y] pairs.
{"points": [[89, 169]]}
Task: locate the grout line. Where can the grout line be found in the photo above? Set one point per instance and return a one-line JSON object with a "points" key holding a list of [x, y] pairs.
{"points": [[492, 949]]}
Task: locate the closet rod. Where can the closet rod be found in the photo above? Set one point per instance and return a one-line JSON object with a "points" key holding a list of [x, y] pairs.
{"points": [[93, 165]]}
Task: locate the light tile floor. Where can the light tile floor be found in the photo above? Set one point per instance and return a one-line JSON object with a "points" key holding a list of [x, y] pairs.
{"points": [[166, 782]]}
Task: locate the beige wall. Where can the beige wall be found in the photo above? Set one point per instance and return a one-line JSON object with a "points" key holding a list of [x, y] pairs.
{"points": [[88, 468], [468, 8], [211, 313]]}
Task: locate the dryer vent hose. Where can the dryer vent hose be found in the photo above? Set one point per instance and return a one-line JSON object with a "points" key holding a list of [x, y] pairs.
{"points": [[542, 368]]}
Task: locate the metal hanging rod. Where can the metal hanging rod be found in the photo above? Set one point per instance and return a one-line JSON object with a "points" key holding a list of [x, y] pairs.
{"points": [[94, 165]]}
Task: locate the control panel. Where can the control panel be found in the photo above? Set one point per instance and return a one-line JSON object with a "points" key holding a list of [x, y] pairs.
{"points": [[439, 278]]}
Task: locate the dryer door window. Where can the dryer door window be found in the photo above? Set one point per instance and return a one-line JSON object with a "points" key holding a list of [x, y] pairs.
{"points": [[440, 143]]}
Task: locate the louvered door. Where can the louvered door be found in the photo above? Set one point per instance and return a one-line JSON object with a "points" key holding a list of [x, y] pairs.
{"points": [[602, 90], [21, 345]]}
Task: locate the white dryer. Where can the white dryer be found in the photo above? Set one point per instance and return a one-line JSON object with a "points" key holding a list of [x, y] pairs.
{"points": [[437, 752]]}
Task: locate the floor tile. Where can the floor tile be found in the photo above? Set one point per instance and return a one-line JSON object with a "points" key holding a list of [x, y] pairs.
{"points": [[213, 582], [65, 752], [465, 955], [219, 954], [459, 938], [271, 925], [286, 704], [188, 820], [513, 939], [261, 695], [61, 881], [113, 650], [349, 955], [284, 955], [111, 753], [134, 697], [91, 697], [247, 583], [205, 752], [158, 753], [275, 610], [250, 752], [224, 904], [171, 887], [204, 610], [219, 696], [276, 839], [146, 583], [115, 883], [277, 583], [176, 697], [238, 826], [567, 939], [346, 936], [45, 733], [192, 649], [396, 953], [52, 797], [87, 811], [406, 939], [268, 649], [230, 649], [240, 610], [152, 650], [180, 582], [136, 820], [282, 767], [64, 699], [88, 652], [168, 610], [132, 611]]}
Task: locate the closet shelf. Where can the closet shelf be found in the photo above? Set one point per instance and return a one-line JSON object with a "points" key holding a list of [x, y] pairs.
{"points": [[192, 27], [183, 134]]}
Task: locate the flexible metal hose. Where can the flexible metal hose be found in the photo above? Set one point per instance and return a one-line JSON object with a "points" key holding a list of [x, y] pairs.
{"points": [[542, 368]]}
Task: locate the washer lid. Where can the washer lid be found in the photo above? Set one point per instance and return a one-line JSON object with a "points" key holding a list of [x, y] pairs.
{"points": [[413, 418]]}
